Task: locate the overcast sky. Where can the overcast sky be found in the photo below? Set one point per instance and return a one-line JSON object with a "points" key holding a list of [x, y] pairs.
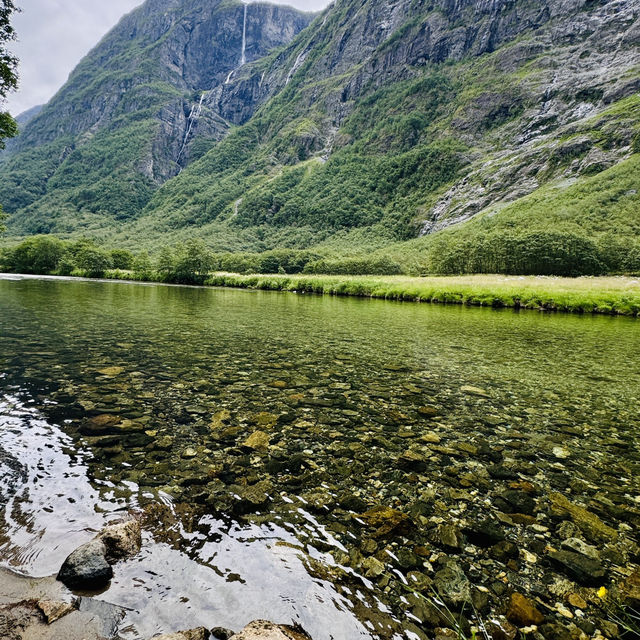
{"points": [[53, 35]]}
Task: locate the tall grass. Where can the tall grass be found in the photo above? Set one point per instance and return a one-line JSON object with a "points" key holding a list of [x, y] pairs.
{"points": [[608, 295]]}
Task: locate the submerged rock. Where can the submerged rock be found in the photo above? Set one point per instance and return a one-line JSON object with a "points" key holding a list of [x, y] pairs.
{"points": [[589, 523], [453, 586], [581, 568], [105, 616], [522, 612], [386, 521], [258, 440], [484, 534], [87, 567], [449, 537], [630, 590], [251, 499]]}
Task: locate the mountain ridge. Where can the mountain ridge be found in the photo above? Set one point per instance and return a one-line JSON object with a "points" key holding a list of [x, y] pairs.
{"points": [[145, 76]]}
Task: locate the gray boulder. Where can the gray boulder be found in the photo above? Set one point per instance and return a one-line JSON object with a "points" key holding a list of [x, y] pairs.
{"points": [[87, 567]]}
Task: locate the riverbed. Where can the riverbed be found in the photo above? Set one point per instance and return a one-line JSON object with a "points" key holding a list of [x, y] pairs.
{"points": [[307, 459]]}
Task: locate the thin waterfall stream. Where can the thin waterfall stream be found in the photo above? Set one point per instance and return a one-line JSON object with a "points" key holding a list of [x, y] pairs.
{"points": [[194, 116], [196, 110], [243, 58], [243, 51]]}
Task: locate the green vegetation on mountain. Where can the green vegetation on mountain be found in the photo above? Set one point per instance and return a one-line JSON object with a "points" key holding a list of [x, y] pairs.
{"points": [[424, 140]]}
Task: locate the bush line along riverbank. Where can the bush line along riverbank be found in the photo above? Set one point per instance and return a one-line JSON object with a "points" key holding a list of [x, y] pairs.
{"points": [[287, 270]]}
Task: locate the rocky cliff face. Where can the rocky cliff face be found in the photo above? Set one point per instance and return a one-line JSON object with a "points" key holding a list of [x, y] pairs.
{"points": [[576, 58]]}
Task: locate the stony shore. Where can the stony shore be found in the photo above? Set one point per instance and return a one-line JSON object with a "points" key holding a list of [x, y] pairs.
{"points": [[43, 609]]}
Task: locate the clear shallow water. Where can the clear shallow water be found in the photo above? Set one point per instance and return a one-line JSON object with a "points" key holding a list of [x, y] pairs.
{"points": [[124, 396]]}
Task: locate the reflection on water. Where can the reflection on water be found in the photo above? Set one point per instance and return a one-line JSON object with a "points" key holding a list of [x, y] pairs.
{"points": [[50, 508], [49, 504], [258, 432]]}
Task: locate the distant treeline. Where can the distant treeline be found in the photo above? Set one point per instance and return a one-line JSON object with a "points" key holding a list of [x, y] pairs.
{"points": [[187, 263], [539, 253]]}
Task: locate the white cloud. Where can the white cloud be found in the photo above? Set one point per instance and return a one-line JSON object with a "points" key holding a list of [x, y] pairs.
{"points": [[53, 35]]}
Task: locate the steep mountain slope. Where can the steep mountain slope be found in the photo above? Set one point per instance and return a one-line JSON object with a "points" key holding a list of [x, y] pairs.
{"points": [[406, 117], [386, 120], [130, 114]]}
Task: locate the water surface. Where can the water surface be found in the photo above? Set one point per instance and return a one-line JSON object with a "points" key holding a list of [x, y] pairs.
{"points": [[255, 428]]}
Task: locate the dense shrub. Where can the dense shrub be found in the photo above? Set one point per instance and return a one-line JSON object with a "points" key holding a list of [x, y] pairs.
{"points": [[541, 253], [142, 267], [93, 261], [276, 261], [122, 259], [41, 254], [187, 263], [619, 254], [237, 262]]}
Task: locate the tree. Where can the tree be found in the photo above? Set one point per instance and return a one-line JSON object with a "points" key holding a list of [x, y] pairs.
{"points": [[8, 79], [122, 259], [142, 267], [166, 263], [93, 261], [193, 262], [8, 64]]}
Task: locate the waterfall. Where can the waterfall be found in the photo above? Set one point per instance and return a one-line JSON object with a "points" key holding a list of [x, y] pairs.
{"points": [[193, 117], [243, 52], [243, 58]]}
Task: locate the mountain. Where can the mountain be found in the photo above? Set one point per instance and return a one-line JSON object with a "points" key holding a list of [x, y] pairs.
{"points": [[131, 114], [24, 118], [389, 125]]}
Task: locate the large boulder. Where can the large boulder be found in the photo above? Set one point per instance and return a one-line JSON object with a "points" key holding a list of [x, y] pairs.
{"points": [[87, 567]]}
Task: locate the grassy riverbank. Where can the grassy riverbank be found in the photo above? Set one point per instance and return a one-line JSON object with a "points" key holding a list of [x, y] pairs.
{"points": [[606, 295], [614, 295], [609, 295]]}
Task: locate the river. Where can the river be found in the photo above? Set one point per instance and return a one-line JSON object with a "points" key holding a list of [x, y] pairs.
{"points": [[299, 458]]}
